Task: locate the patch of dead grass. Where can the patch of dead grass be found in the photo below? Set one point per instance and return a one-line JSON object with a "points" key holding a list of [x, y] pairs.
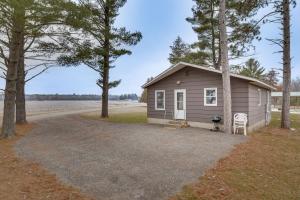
{"points": [[267, 166], [127, 118], [20, 179]]}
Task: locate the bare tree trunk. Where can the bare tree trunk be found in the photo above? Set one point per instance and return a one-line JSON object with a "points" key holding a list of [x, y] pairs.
{"points": [[8, 123], [105, 88], [20, 89], [285, 118], [225, 69]]}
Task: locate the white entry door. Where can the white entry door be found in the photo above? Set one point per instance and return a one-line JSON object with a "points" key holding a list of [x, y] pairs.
{"points": [[180, 104]]}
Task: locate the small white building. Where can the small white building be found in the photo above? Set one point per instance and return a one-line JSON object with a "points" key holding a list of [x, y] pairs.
{"points": [[277, 100]]}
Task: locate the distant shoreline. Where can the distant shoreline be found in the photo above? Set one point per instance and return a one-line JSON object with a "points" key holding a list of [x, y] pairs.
{"points": [[76, 97]]}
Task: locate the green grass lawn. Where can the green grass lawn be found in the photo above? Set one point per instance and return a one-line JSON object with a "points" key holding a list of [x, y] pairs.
{"points": [[129, 118], [267, 166], [276, 117]]}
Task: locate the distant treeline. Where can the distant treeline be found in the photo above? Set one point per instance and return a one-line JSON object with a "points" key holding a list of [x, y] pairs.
{"points": [[133, 97], [76, 97], [62, 97]]}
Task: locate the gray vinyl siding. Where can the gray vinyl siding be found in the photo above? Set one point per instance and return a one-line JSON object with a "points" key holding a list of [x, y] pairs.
{"points": [[257, 113], [194, 81]]}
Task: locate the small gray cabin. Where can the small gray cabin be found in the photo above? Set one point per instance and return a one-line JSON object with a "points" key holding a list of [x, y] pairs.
{"points": [[197, 94]]}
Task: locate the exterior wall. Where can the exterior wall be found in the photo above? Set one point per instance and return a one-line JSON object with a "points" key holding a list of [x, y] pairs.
{"points": [[194, 81], [257, 113]]}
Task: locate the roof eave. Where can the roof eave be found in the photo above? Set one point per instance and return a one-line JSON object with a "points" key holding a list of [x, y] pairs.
{"points": [[263, 85], [183, 64], [158, 77]]}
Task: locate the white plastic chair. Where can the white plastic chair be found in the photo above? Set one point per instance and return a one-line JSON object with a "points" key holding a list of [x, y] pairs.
{"points": [[240, 121]]}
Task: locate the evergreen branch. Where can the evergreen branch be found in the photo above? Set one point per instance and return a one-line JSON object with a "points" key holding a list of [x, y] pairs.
{"points": [[2, 68], [36, 66], [37, 74], [3, 56], [29, 45], [92, 67], [264, 17], [278, 42], [5, 43], [114, 84], [39, 59]]}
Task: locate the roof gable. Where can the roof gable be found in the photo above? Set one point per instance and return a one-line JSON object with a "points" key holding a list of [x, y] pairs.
{"points": [[182, 65]]}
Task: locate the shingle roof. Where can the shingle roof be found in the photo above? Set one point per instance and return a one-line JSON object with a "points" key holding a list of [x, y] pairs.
{"points": [[181, 65]]}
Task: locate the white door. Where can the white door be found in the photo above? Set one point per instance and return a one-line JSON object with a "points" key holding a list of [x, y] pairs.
{"points": [[180, 104]]}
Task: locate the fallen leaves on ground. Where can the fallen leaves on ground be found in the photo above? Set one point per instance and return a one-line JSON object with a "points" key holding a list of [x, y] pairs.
{"points": [[267, 166]]}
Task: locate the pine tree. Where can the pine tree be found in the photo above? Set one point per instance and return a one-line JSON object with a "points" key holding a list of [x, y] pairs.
{"points": [[38, 16], [179, 51], [12, 13], [143, 98], [107, 42], [280, 13], [253, 69], [225, 69], [205, 24], [144, 94], [286, 40], [239, 20]]}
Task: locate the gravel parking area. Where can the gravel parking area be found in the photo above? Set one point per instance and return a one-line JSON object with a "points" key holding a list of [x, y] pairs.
{"points": [[112, 161]]}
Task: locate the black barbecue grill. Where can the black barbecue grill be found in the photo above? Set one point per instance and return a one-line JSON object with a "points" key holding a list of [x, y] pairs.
{"points": [[216, 120]]}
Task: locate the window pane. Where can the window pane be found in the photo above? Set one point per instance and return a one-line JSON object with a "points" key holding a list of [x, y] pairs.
{"points": [[179, 100], [179, 105], [211, 100], [160, 104], [210, 93], [160, 95], [160, 100], [179, 96]]}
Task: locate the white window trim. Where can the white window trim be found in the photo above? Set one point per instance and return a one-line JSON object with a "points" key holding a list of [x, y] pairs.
{"points": [[268, 102], [259, 97], [156, 91], [205, 104]]}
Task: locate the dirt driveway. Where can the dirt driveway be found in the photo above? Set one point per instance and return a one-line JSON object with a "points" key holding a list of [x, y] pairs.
{"points": [[123, 161]]}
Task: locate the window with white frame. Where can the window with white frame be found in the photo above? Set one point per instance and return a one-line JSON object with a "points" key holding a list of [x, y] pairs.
{"points": [[159, 100], [259, 97], [210, 97]]}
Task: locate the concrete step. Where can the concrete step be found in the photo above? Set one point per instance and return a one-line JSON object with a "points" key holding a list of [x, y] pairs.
{"points": [[179, 123]]}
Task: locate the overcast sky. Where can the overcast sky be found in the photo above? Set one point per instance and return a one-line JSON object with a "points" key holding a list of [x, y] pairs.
{"points": [[160, 23]]}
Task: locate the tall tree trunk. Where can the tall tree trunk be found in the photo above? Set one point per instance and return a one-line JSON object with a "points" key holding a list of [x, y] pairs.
{"points": [[104, 112], [219, 55], [20, 89], [8, 122], [285, 118], [225, 69], [213, 40], [105, 88]]}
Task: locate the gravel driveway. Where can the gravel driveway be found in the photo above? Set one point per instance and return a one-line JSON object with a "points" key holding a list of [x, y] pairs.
{"points": [[112, 161]]}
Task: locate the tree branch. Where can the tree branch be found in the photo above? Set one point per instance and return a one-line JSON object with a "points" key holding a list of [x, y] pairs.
{"points": [[39, 73]]}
